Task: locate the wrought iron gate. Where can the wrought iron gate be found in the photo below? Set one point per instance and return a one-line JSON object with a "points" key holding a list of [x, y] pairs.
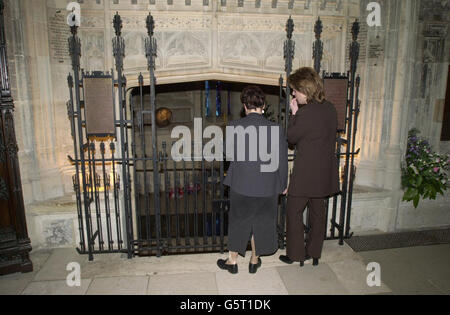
{"points": [[339, 205], [134, 198]]}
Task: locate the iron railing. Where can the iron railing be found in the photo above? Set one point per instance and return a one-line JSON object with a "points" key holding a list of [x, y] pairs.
{"points": [[132, 197]]}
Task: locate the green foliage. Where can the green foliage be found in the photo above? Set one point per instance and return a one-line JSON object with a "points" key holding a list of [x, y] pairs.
{"points": [[424, 173]]}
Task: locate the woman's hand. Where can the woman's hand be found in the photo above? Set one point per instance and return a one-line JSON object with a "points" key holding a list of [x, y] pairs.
{"points": [[294, 106], [285, 191]]}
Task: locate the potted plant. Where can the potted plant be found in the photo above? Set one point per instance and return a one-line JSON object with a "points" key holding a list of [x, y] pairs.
{"points": [[424, 172]]}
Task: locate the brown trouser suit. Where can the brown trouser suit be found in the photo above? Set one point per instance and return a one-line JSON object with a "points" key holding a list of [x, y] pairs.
{"points": [[295, 248], [314, 176]]}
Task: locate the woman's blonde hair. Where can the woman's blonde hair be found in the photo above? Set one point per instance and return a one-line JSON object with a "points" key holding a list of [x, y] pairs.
{"points": [[307, 81]]}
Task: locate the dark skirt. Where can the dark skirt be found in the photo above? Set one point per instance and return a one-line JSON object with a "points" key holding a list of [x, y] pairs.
{"points": [[255, 216]]}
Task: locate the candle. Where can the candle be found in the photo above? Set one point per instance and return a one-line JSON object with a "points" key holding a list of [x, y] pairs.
{"points": [[207, 98], [218, 100]]}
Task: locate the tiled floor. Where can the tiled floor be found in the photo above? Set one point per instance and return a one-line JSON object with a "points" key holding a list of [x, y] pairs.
{"points": [[416, 270]]}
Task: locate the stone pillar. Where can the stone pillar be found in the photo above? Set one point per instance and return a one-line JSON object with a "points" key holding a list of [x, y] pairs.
{"points": [[404, 19], [21, 91], [372, 69], [37, 117], [384, 112], [405, 38]]}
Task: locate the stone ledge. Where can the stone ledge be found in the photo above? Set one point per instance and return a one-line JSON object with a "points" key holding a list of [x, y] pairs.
{"points": [[358, 190], [62, 204]]}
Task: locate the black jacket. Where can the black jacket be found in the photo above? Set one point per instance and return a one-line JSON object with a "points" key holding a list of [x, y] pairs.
{"points": [[247, 177]]}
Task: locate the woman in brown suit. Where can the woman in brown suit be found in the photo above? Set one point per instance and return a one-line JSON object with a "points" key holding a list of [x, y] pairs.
{"points": [[312, 128]]}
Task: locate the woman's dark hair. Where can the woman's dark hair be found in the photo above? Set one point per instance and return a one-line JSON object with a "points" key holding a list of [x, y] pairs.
{"points": [[253, 97], [307, 81]]}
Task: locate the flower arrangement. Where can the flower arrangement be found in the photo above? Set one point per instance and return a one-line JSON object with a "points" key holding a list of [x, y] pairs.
{"points": [[424, 173]]}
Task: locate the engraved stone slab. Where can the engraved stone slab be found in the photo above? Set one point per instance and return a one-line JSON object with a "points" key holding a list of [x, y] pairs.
{"points": [[58, 232], [99, 107], [58, 34], [336, 93]]}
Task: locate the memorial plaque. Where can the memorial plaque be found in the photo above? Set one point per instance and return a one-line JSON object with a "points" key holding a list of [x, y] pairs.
{"points": [[336, 93], [58, 35], [99, 106]]}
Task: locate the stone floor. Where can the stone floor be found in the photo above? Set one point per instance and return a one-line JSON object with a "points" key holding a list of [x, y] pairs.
{"points": [[416, 270]]}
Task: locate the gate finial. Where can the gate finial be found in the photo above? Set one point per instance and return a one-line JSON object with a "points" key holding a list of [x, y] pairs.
{"points": [[150, 24], [318, 28], [117, 24], [354, 49], [74, 30], [70, 80], [355, 30], [290, 27]]}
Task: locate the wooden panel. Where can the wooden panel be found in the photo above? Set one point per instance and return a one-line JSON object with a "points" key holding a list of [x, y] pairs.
{"points": [[99, 107], [5, 218], [14, 242], [336, 93]]}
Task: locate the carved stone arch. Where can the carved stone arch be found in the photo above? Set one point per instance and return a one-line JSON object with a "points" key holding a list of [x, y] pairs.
{"points": [[273, 53], [240, 49], [134, 43], [186, 48], [135, 58]]}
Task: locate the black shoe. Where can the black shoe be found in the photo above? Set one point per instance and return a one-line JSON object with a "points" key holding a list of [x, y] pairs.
{"points": [[252, 268], [222, 263], [307, 257], [286, 259]]}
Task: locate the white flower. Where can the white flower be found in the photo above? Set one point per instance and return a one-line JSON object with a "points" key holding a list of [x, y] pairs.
{"points": [[414, 169]]}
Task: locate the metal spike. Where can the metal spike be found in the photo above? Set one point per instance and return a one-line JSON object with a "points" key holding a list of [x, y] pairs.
{"points": [[289, 27], [318, 28], [117, 24], [150, 23], [355, 30]]}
